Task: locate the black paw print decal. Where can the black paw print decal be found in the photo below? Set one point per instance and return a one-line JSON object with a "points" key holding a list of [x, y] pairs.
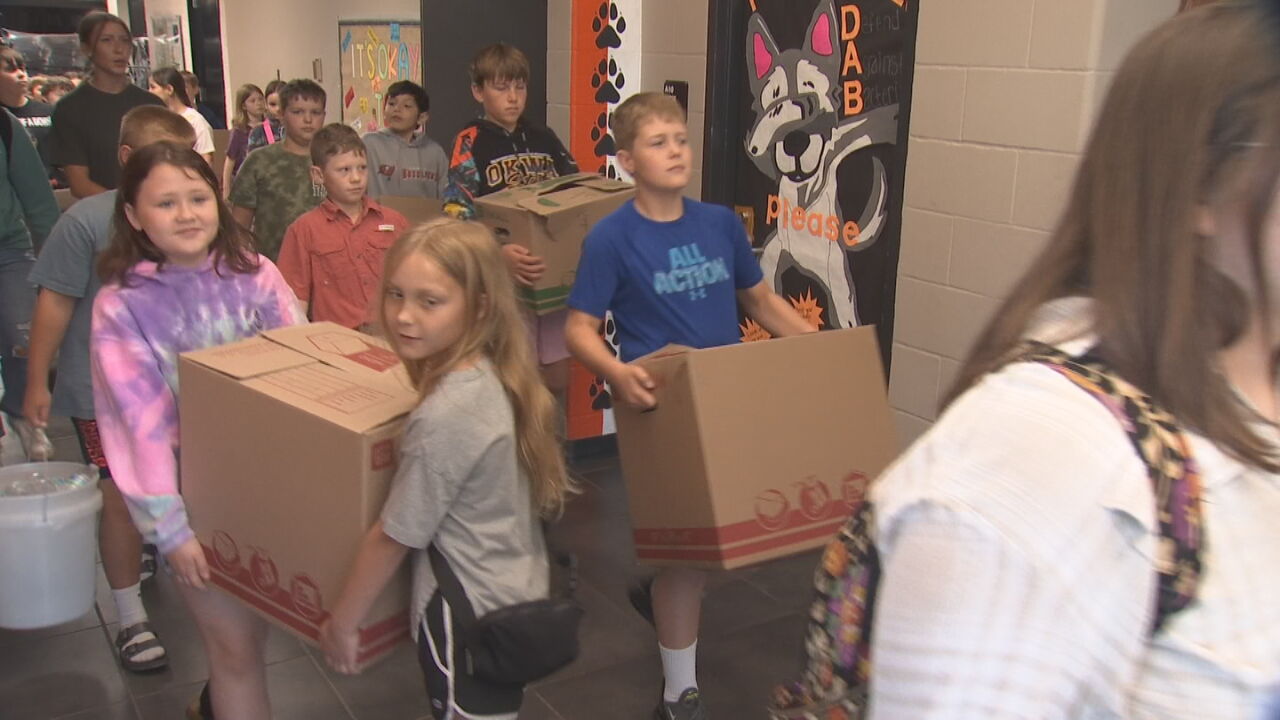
{"points": [[604, 145], [611, 172], [601, 399], [608, 80], [608, 26]]}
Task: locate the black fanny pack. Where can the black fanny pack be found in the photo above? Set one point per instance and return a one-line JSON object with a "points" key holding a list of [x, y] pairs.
{"points": [[519, 643]]}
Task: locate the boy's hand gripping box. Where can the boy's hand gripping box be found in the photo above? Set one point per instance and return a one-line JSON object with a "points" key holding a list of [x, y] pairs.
{"points": [[289, 445], [551, 219], [756, 450]]}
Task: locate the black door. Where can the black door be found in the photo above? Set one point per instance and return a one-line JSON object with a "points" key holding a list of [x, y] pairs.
{"points": [[452, 31]]}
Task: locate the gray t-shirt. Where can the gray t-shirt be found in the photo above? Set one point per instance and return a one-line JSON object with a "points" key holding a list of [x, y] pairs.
{"points": [[459, 485], [65, 265]]}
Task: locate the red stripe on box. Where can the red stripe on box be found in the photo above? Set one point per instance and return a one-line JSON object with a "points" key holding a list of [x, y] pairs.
{"points": [[714, 554], [299, 625], [239, 584]]}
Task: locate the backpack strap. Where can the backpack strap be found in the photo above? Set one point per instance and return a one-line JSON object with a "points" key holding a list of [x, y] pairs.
{"points": [[1163, 448]]}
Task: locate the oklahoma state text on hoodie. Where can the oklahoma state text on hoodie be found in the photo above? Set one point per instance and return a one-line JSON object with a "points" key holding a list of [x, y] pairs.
{"points": [[487, 158]]}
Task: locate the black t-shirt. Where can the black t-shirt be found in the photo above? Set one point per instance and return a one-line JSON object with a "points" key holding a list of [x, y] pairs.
{"points": [[37, 118], [86, 129]]}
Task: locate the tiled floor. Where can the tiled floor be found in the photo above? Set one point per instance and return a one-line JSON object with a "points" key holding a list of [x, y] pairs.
{"points": [[751, 639]]}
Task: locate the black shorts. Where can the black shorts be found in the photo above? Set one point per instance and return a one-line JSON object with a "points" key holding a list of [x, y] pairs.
{"points": [[454, 693], [91, 444]]}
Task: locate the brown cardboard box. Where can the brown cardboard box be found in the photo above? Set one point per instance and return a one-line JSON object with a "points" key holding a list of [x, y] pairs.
{"points": [[756, 450], [288, 449], [551, 218], [416, 210]]}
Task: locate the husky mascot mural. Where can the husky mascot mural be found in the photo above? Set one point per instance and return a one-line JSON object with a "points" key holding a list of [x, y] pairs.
{"points": [[832, 198]]}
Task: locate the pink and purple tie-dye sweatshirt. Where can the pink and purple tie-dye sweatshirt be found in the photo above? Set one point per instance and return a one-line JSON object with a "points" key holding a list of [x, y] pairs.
{"points": [[139, 329]]}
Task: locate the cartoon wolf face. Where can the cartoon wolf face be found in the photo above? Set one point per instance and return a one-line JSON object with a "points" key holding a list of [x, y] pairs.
{"points": [[795, 96], [800, 140]]}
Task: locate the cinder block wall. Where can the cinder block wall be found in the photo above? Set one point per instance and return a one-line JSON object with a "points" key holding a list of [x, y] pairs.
{"points": [[1005, 94]]}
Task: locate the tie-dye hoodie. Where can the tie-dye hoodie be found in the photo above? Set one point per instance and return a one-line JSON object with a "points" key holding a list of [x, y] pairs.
{"points": [[139, 329]]}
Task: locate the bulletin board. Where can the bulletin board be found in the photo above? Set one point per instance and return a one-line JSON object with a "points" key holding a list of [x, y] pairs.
{"points": [[374, 54]]}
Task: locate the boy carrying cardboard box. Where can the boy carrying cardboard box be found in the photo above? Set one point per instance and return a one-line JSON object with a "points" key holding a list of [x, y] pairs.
{"points": [[672, 270], [504, 149]]}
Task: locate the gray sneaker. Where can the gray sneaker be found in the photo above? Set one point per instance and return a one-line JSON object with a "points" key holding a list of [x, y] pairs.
{"points": [[688, 707]]}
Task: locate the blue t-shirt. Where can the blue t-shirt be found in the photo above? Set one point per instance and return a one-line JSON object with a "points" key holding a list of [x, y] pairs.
{"points": [[666, 282]]}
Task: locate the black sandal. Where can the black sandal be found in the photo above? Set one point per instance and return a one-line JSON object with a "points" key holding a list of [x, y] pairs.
{"points": [[147, 570], [136, 640]]}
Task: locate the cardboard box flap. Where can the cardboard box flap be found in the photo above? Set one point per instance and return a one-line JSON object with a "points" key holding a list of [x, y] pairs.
{"points": [[248, 358], [342, 348], [567, 199], [664, 352], [359, 404], [556, 194]]}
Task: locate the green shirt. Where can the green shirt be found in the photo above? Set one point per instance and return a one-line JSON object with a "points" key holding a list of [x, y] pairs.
{"points": [[27, 208], [276, 185]]}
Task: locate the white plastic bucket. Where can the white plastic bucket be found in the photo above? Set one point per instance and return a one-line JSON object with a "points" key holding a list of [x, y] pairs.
{"points": [[48, 546]]}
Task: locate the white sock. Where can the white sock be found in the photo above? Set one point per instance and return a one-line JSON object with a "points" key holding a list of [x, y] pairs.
{"points": [[678, 670], [129, 605]]}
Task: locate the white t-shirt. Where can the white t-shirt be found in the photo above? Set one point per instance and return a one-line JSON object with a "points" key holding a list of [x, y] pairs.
{"points": [[204, 133], [1017, 540]]}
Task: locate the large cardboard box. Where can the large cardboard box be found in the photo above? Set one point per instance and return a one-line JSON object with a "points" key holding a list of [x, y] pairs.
{"points": [[416, 210], [756, 450], [288, 448], [551, 218]]}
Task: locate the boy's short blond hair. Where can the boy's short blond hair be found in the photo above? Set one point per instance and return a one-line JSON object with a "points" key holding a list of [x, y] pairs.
{"points": [[335, 139], [147, 124], [637, 109], [499, 61]]}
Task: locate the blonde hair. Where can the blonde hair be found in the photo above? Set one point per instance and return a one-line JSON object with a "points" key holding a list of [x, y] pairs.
{"points": [[495, 329], [146, 124], [638, 108]]}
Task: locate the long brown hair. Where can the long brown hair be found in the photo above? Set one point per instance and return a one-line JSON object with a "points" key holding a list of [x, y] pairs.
{"points": [[241, 119], [232, 247], [1191, 123], [495, 329]]}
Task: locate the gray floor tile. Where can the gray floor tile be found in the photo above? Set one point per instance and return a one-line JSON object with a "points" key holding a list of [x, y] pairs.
{"points": [[392, 688], [9, 638], [118, 711], [169, 704], [627, 691], [299, 691], [733, 604], [535, 708], [788, 580], [737, 673], [55, 676]]}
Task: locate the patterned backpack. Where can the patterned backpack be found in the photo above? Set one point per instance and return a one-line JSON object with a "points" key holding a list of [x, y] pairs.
{"points": [[837, 664]]}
